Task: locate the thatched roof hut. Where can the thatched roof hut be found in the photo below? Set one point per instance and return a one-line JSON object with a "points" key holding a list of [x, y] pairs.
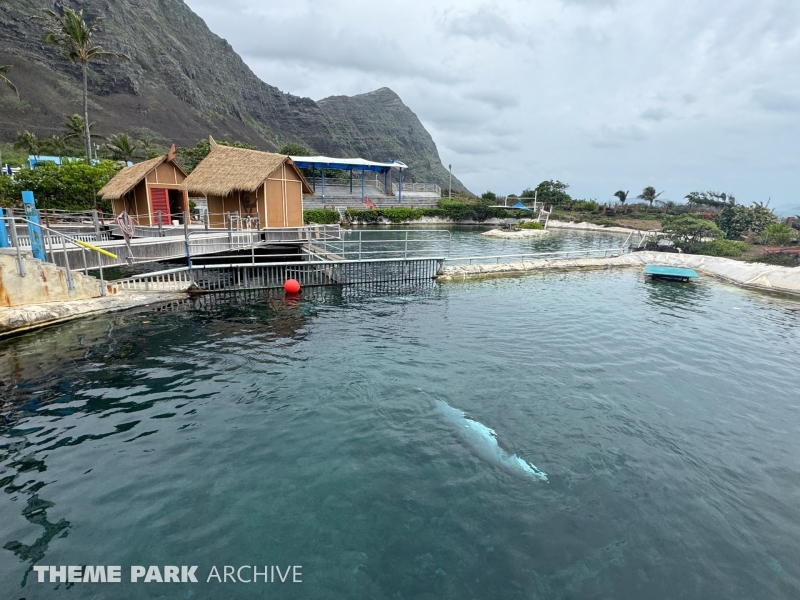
{"points": [[250, 184], [145, 189]]}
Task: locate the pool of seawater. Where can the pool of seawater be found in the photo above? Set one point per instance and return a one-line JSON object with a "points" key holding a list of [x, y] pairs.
{"points": [[252, 430]]}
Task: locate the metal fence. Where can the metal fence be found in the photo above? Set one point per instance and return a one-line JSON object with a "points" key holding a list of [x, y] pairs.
{"points": [[212, 278], [394, 243], [497, 258]]}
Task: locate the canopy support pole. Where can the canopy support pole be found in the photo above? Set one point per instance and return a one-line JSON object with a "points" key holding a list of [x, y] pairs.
{"points": [[362, 185], [400, 186], [351, 179], [323, 186]]}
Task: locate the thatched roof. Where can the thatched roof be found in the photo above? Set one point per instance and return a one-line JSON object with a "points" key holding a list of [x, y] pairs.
{"points": [[127, 179], [227, 170]]}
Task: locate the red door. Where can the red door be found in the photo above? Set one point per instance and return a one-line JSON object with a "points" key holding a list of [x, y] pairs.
{"points": [[159, 202]]}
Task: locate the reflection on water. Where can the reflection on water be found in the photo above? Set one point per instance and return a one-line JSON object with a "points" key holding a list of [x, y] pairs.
{"points": [[253, 428]]}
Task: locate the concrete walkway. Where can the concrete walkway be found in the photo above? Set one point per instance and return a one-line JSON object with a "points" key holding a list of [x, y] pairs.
{"points": [[750, 275], [23, 318]]}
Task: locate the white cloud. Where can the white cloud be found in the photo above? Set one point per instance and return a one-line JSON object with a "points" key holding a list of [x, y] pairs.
{"points": [[604, 94]]}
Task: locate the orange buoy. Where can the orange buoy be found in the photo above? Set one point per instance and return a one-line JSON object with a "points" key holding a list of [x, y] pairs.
{"points": [[292, 286]]}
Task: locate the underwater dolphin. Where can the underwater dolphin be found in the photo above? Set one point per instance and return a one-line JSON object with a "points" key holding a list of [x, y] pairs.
{"points": [[483, 441]]}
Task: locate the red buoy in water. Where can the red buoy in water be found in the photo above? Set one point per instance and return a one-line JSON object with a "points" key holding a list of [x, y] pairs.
{"points": [[292, 286]]}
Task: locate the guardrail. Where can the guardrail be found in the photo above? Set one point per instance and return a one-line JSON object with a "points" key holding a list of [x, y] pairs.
{"points": [[10, 225], [536, 255], [235, 276], [404, 243]]}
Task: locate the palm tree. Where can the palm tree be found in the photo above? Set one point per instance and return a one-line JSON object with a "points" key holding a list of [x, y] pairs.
{"points": [[4, 79], [29, 142], [57, 144], [122, 147], [75, 128], [623, 196], [649, 194], [75, 39]]}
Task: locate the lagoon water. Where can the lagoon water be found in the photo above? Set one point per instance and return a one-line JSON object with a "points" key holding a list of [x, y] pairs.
{"points": [[252, 430]]}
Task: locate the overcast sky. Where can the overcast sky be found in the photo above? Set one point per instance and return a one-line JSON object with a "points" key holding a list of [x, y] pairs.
{"points": [[602, 94]]}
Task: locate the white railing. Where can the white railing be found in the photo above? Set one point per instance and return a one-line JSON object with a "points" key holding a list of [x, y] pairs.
{"points": [[421, 187], [397, 243], [52, 240], [537, 255]]}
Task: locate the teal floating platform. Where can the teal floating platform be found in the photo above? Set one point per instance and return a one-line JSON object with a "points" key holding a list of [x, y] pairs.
{"points": [[670, 273]]}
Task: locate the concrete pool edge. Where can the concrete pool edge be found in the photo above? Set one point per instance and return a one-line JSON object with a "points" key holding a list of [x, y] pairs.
{"points": [[750, 275], [21, 319]]}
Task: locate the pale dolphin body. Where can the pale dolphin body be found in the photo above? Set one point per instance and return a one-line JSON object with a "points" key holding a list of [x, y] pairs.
{"points": [[483, 441]]}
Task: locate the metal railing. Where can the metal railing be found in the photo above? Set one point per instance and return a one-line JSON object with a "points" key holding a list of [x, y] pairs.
{"points": [[370, 244], [537, 255], [421, 187], [235, 276], [51, 240], [10, 221]]}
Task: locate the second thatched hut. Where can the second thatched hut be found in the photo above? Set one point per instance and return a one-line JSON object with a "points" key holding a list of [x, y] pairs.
{"points": [[249, 183]]}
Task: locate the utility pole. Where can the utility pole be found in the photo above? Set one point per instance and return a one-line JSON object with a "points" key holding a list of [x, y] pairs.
{"points": [[450, 190]]}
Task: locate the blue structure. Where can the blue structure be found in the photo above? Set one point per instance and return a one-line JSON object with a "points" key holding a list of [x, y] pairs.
{"points": [[34, 229], [35, 160], [4, 243], [670, 273], [352, 164]]}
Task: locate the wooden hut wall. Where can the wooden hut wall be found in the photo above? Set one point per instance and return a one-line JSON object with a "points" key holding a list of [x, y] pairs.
{"points": [[218, 206], [135, 203], [284, 198]]}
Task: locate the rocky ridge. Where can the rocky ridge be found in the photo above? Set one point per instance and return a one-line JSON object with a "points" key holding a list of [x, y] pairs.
{"points": [[183, 83]]}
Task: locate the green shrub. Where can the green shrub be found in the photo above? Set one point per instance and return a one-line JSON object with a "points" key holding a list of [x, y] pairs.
{"points": [[448, 209], [778, 234], [530, 225], [585, 205], [321, 216], [686, 230], [72, 186], [736, 219], [719, 247]]}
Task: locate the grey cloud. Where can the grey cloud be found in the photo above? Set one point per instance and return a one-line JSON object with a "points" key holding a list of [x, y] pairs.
{"points": [[655, 114], [617, 136], [498, 100], [776, 101], [485, 23], [591, 3]]}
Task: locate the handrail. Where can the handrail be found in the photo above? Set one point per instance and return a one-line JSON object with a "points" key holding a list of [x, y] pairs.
{"points": [[81, 244], [605, 251], [296, 263]]}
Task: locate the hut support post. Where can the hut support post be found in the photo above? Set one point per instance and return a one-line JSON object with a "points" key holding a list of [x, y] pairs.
{"points": [[230, 230], [96, 222], [160, 224], [205, 219], [186, 239]]}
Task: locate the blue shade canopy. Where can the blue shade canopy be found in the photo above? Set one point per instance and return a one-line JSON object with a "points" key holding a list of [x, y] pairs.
{"points": [[520, 206], [345, 164]]}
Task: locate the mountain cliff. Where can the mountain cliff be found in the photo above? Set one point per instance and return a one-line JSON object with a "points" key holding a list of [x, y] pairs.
{"points": [[183, 83]]}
